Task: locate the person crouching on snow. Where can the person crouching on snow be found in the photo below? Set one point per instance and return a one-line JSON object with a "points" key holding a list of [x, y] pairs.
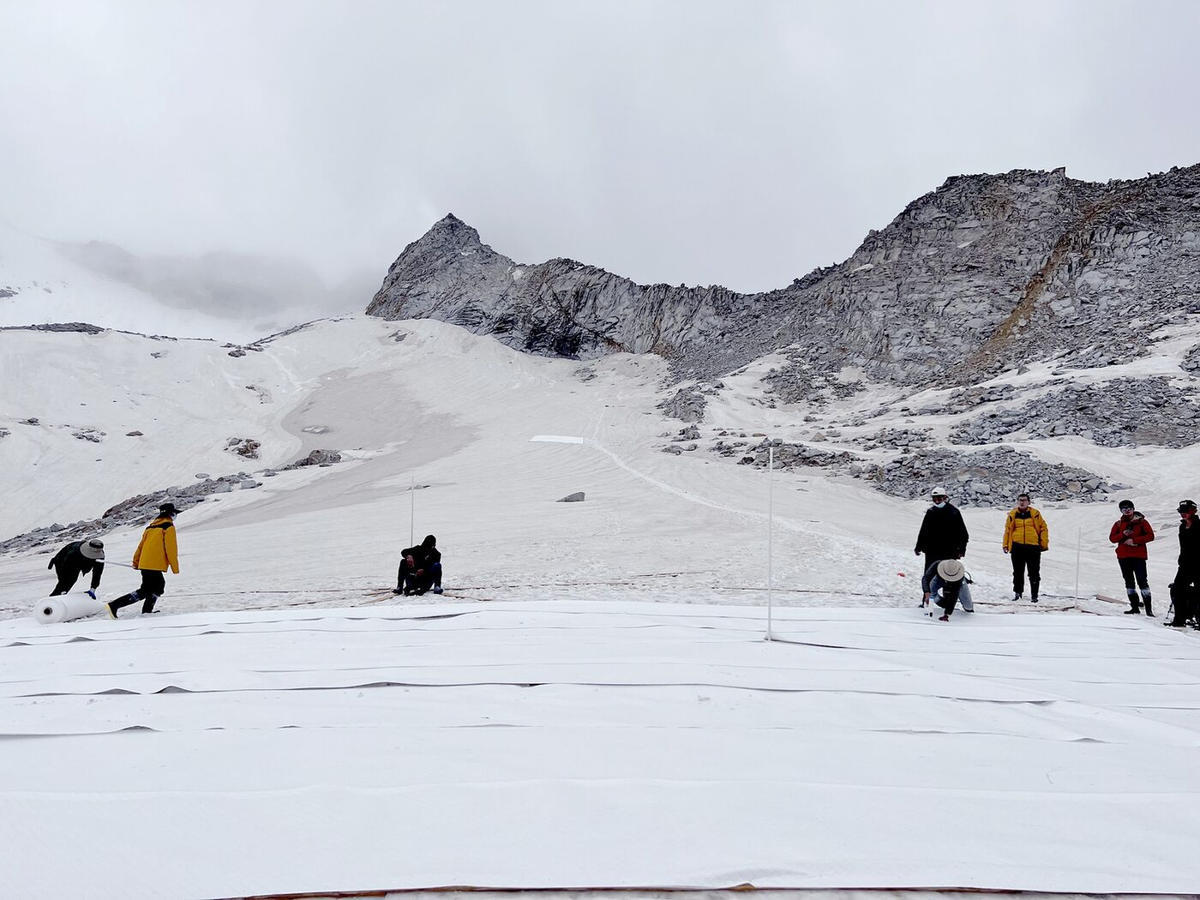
{"points": [[156, 552], [75, 559], [950, 578], [420, 569]]}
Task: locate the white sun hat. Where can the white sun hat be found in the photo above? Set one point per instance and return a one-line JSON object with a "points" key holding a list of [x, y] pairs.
{"points": [[951, 570]]}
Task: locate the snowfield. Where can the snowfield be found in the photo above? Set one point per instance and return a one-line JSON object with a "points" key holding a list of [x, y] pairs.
{"points": [[592, 704], [570, 744]]}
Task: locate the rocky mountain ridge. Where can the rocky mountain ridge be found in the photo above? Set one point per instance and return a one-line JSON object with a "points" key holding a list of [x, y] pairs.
{"points": [[986, 273]]}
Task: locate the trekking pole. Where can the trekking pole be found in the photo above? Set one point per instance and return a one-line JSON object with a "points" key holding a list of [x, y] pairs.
{"points": [[1078, 552], [412, 512], [770, 532]]}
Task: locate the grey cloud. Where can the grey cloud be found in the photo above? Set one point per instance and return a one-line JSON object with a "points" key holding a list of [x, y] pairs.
{"points": [[698, 142]]}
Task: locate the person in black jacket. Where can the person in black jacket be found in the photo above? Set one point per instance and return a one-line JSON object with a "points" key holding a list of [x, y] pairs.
{"points": [[1187, 579], [420, 569], [75, 559], [943, 535]]}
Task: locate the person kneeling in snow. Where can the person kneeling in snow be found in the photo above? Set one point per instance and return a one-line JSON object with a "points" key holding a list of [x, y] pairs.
{"points": [[949, 579], [155, 553], [75, 559], [420, 569]]}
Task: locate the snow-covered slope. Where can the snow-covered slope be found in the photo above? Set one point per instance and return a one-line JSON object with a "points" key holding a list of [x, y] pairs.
{"points": [[456, 412], [40, 285], [570, 742]]}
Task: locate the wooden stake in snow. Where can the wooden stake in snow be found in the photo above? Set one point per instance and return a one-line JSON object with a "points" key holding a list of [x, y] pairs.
{"points": [[1079, 550], [770, 532]]}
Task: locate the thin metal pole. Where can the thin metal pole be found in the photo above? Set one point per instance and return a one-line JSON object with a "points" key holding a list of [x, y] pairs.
{"points": [[770, 534], [412, 512], [1078, 552]]}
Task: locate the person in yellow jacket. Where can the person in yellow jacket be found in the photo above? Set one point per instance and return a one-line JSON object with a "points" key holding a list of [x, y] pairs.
{"points": [[156, 552], [1026, 537]]}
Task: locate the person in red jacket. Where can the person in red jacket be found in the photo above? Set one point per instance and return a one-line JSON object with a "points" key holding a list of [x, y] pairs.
{"points": [[1131, 533]]}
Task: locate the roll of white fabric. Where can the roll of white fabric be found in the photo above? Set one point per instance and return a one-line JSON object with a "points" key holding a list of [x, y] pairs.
{"points": [[66, 607]]}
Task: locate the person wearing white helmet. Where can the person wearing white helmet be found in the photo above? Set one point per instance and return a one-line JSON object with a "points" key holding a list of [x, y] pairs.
{"points": [[943, 535]]}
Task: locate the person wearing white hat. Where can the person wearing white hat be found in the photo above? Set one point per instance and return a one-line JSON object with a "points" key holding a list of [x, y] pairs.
{"points": [[950, 575], [943, 535], [75, 559], [949, 581]]}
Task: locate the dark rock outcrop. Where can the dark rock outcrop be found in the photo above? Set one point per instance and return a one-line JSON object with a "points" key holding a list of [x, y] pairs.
{"points": [[982, 274]]}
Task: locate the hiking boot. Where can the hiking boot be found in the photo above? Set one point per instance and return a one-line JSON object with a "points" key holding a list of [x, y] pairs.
{"points": [[1016, 596], [437, 589], [112, 613], [1033, 599], [944, 618], [1133, 612]]}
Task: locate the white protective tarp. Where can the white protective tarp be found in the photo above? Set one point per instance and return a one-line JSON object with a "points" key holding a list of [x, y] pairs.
{"points": [[65, 608]]}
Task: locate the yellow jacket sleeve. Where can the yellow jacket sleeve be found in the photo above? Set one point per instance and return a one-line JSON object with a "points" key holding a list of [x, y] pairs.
{"points": [[172, 549], [1008, 530], [1043, 533], [137, 554]]}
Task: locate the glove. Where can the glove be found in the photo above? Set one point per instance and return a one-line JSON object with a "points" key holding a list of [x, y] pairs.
{"points": [[92, 594]]}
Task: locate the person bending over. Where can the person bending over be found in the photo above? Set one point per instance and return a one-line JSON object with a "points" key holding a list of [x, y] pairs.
{"points": [[75, 559]]}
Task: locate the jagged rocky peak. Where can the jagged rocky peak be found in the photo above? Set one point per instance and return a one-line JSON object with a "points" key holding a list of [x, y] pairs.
{"points": [[984, 273], [452, 233], [448, 264]]}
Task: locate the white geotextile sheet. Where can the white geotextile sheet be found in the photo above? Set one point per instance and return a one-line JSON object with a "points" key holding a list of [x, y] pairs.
{"points": [[592, 832], [565, 745], [65, 608]]}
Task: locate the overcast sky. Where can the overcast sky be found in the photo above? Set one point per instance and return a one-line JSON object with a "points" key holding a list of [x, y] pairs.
{"points": [[740, 143]]}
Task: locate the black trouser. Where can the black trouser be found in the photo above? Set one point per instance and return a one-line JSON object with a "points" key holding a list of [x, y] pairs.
{"points": [[931, 560], [1184, 594], [408, 580], [67, 576], [154, 585], [1026, 555], [1132, 569]]}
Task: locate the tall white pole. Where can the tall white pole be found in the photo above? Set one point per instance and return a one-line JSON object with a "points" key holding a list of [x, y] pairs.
{"points": [[770, 532], [1079, 550], [412, 513]]}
